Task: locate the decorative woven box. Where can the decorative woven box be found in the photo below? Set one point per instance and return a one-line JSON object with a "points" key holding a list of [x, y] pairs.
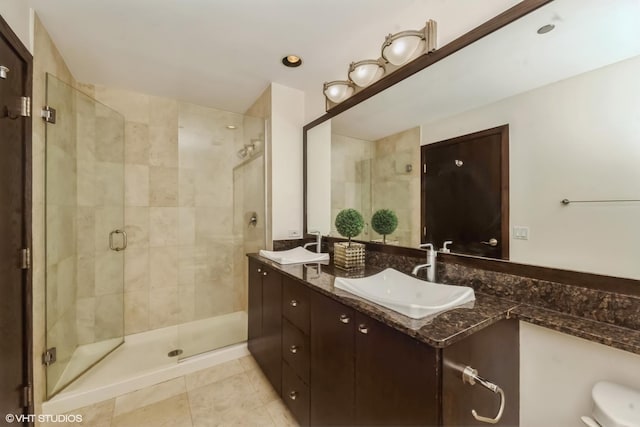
{"points": [[348, 257]]}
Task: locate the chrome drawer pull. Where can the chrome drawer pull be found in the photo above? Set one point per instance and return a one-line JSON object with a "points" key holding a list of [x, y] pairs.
{"points": [[344, 318], [362, 328], [264, 273], [293, 395], [259, 270], [293, 349], [293, 303]]}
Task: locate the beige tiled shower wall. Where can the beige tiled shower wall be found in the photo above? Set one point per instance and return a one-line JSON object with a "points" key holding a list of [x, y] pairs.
{"points": [[100, 209], [395, 176], [209, 283], [351, 161], [179, 159]]}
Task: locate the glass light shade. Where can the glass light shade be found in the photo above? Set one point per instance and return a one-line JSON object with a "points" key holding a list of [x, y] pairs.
{"points": [[337, 91], [400, 49], [364, 73]]}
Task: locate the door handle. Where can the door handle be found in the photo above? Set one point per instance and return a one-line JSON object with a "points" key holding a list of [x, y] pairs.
{"points": [[492, 242], [112, 246]]}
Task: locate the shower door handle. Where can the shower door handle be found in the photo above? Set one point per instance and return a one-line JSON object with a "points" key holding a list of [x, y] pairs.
{"points": [[112, 246]]}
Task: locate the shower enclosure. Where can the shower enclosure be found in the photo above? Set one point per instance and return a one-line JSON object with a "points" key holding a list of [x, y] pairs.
{"points": [[84, 212], [193, 296]]}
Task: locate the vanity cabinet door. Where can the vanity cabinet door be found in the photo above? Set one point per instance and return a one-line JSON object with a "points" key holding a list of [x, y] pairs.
{"points": [[332, 362], [265, 321], [494, 353], [396, 377], [254, 332], [272, 327]]}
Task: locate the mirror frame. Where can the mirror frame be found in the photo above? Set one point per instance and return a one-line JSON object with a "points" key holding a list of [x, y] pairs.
{"points": [[588, 280]]}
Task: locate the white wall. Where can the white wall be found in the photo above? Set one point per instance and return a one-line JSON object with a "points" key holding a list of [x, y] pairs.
{"points": [[318, 178], [287, 120], [575, 139], [557, 372], [19, 16]]}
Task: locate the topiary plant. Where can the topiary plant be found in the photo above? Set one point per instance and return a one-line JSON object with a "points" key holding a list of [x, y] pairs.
{"points": [[349, 223], [384, 221]]}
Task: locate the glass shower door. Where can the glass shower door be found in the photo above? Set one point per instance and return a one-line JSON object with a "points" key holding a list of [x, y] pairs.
{"points": [[84, 233], [226, 226]]}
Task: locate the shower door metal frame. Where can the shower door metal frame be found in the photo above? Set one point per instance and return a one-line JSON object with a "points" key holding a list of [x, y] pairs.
{"points": [[12, 40]]}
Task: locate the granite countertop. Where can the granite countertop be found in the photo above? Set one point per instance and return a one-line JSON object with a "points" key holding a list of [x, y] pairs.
{"points": [[439, 331], [592, 330], [453, 325]]}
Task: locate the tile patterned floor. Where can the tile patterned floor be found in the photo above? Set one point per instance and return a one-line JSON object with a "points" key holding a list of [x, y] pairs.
{"points": [[230, 394]]}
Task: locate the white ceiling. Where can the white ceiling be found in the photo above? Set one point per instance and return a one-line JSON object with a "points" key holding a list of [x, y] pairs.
{"points": [[224, 53]]}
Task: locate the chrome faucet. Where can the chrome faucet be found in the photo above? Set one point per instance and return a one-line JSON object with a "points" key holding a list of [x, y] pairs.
{"points": [[430, 265], [317, 243]]}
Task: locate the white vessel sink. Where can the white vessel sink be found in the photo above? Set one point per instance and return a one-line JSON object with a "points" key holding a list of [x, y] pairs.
{"points": [[294, 256], [406, 294]]}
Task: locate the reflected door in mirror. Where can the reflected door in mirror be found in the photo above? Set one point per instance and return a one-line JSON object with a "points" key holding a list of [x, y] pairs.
{"points": [[465, 199]]}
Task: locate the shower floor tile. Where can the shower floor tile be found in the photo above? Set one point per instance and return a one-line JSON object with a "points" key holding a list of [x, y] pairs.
{"points": [[234, 393]]}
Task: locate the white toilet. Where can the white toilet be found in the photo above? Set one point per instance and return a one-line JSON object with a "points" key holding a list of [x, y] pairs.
{"points": [[614, 405]]}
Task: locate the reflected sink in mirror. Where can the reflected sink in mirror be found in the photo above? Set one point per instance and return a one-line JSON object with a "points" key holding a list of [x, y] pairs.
{"points": [[406, 294], [297, 255]]}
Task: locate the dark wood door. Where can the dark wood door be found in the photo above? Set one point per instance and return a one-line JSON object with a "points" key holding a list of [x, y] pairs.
{"points": [[271, 353], [332, 362], [15, 205], [465, 193], [396, 377], [495, 353]]}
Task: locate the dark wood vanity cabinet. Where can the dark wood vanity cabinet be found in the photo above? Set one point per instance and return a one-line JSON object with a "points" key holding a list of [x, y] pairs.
{"points": [[333, 362], [366, 372], [333, 365], [495, 353], [265, 320], [396, 377]]}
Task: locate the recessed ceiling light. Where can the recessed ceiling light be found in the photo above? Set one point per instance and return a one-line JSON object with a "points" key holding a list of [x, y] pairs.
{"points": [[231, 127], [546, 28], [292, 61]]}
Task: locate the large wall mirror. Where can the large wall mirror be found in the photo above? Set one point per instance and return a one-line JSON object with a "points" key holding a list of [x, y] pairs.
{"points": [[571, 100]]}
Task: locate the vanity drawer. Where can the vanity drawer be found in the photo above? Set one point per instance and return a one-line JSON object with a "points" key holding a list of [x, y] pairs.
{"points": [[295, 304], [295, 394], [295, 350]]}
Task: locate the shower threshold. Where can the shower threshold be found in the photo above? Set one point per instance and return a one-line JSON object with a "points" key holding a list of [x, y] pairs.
{"points": [[143, 360]]}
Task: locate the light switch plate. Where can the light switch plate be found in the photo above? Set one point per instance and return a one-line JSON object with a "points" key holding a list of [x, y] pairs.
{"points": [[520, 232]]}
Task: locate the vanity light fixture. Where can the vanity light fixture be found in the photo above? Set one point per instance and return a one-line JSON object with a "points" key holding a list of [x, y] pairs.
{"points": [[402, 47], [231, 127], [397, 50], [363, 73], [338, 90], [292, 61]]}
